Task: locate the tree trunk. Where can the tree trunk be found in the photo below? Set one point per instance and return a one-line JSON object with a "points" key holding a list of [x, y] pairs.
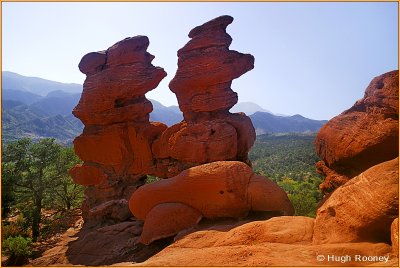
{"points": [[36, 220], [66, 198]]}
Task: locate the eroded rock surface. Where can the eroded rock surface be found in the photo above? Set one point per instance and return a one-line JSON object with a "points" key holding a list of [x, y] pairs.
{"points": [[202, 84], [120, 147], [210, 134], [280, 241], [207, 173], [361, 210], [156, 225], [394, 229], [359, 151], [206, 68], [215, 190], [117, 79], [116, 142], [362, 136]]}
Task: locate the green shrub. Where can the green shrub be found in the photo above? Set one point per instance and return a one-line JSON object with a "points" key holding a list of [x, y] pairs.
{"points": [[304, 204], [304, 195], [14, 228], [10, 230], [152, 179], [289, 160], [18, 249]]}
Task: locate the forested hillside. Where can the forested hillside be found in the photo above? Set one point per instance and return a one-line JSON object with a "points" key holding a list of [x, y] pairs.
{"points": [[265, 122], [289, 160], [37, 196]]}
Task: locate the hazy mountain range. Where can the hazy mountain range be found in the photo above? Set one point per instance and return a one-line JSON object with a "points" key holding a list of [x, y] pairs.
{"points": [[36, 85], [36, 108]]}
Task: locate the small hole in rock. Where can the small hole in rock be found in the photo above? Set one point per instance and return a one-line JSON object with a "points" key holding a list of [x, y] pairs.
{"points": [[221, 192], [118, 103], [380, 85], [332, 211]]}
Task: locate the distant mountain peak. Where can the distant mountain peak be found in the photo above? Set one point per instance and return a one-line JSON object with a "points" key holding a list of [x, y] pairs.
{"points": [[298, 116], [248, 108], [270, 123], [168, 115], [47, 113], [59, 94], [36, 85]]}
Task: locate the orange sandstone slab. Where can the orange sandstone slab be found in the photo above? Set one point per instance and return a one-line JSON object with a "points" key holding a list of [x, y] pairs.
{"points": [[87, 174], [362, 209], [246, 134], [167, 219], [395, 236], [140, 139], [266, 195], [280, 241], [105, 145], [217, 189], [198, 143], [363, 136]]}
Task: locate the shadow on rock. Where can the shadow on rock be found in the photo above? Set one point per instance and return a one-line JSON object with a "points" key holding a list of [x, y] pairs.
{"points": [[112, 244]]}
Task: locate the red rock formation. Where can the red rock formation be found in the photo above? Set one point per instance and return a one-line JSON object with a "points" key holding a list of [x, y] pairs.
{"points": [[285, 229], [116, 142], [118, 79], [155, 227], [394, 230], [362, 209], [280, 241], [119, 146], [87, 174], [363, 136], [204, 142], [265, 195], [218, 189], [206, 68], [358, 150], [201, 253]]}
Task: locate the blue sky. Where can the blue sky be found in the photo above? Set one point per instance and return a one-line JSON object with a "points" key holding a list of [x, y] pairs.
{"points": [[313, 59]]}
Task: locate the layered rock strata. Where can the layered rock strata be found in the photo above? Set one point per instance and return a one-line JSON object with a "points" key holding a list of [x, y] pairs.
{"points": [[208, 133], [115, 145], [206, 68], [202, 84], [120, 147]]}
